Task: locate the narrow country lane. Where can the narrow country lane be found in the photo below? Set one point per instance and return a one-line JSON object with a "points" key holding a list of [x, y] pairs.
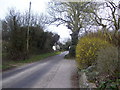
{"points": [[52, 72]]}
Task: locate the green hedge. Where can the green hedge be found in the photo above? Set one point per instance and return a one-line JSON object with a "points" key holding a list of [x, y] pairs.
{"points": [[108, 62]]}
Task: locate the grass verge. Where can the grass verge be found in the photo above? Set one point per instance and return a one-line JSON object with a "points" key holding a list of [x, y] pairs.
{"points": [[12, 64]]}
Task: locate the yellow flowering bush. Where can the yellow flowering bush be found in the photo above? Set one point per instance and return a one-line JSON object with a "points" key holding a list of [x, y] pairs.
{"points": [[86, 50]]}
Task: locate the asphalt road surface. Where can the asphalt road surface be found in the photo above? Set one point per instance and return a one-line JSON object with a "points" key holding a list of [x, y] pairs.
{"points": [[52, 72]]}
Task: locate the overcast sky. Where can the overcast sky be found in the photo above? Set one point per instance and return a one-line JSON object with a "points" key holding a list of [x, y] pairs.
{"points": [[37, 6]]}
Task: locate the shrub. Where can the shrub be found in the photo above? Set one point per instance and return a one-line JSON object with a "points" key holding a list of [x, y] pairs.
{"points": [[86, 50], [109, 36], [109, 84], [107, 61]]}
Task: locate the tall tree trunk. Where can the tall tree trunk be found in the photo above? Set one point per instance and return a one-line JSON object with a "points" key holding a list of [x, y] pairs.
{"points": [[74, 40]]}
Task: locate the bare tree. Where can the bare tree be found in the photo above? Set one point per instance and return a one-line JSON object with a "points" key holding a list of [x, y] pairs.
{"points": [[110, 9], [72, 14]]}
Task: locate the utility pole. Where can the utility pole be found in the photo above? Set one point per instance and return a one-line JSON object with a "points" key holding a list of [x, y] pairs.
{"points": [[119, 34], [28, 28], [119, 14]]}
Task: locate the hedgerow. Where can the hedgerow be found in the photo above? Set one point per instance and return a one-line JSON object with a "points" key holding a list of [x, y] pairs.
{"points": [[86, 50], [108, 61]]}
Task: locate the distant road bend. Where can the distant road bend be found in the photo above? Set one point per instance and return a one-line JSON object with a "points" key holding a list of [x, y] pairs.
{"points": [[52, 72]]}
